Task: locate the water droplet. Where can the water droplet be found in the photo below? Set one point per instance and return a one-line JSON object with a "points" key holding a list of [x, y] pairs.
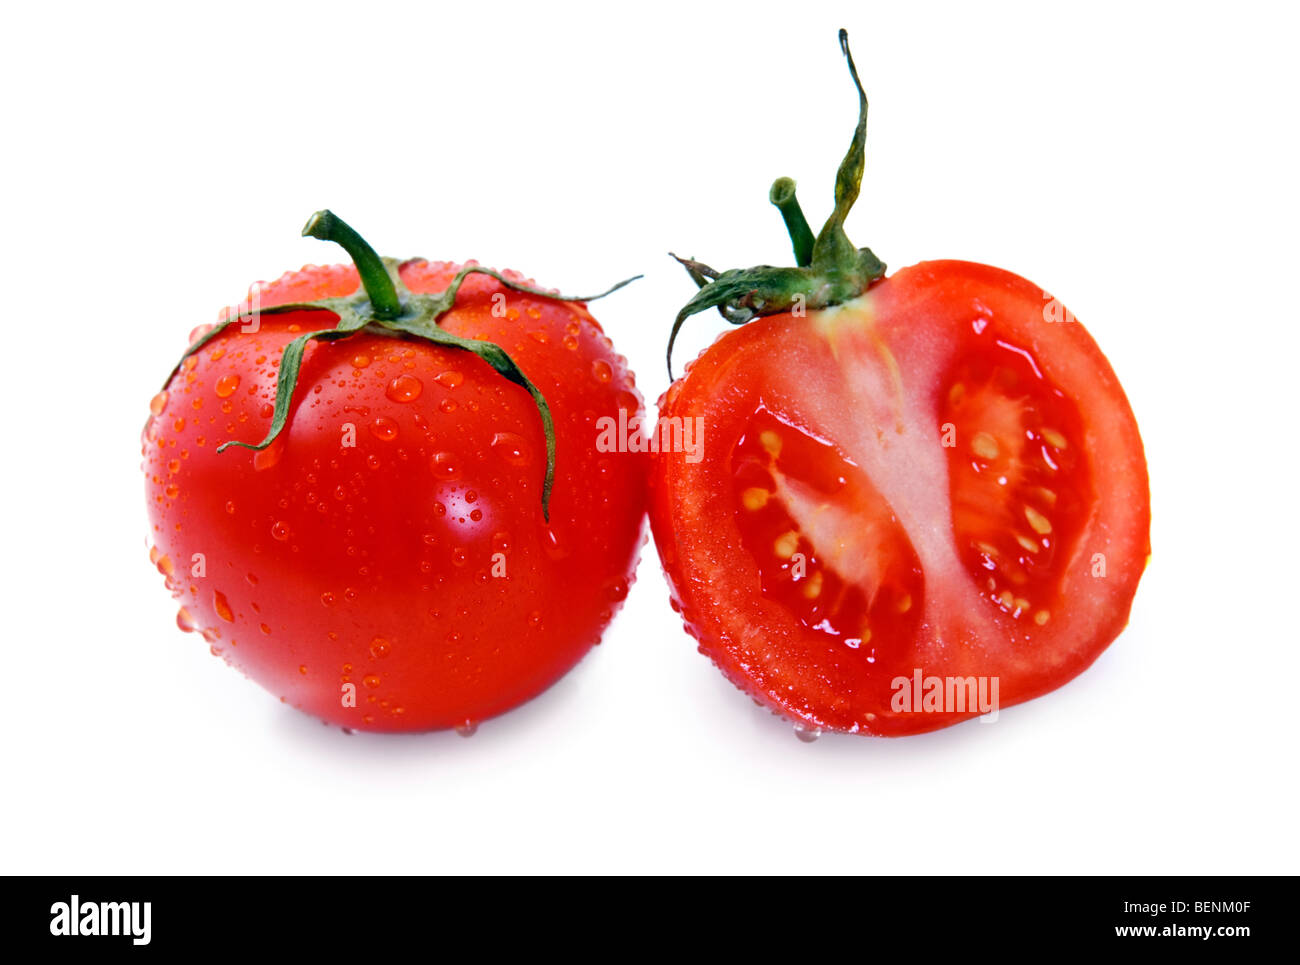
{"points": [[384, 429], [371, 681], [222, 606], [571, 342], [226, 385], [450, 379], [158, 404], [230, 507], [510, 446], [172, 491], [551, 543], [266, 458], [302, 669], [602, 370], [360, 361], [404, 388], [468, 729], [458, 556], [280, 530], [379, 648], [807, 734], [328, 598], [444, 465], [174, 466], [184, 620], [617, 589]]}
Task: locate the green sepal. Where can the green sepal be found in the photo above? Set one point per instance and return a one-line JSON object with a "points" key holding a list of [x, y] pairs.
{"points": [[495, 356], [830, 269], [384, 306], [286, 381]]}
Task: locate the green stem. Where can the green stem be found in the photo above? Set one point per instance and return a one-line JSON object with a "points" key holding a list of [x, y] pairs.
{"points": [[327, 226], [801, 236]]}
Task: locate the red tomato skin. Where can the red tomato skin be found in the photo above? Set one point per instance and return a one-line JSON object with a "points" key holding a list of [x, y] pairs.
{"points": [[915, 313], [411, 568]]}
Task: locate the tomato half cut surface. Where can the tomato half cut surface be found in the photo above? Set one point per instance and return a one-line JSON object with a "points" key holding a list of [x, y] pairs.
{"points": [[940, 478]]}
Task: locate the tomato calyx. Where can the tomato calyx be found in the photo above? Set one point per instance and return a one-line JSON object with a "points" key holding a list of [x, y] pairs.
{"points": [[830, 269], [384, 306]]}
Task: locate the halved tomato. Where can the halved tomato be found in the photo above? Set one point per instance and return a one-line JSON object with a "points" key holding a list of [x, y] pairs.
{"points": [[940, 478], [910, 499], [913, 499]]}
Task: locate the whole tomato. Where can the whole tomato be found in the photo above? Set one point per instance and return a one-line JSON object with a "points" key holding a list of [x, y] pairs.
{"points": [[348, 489]]}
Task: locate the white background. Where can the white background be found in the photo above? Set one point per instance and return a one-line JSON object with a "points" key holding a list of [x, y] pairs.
{"points": [[1138, 160]]}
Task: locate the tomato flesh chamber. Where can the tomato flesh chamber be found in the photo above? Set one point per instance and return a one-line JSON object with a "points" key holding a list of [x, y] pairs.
{"points": [[831, 550], [827, 545], [1019, 482]]}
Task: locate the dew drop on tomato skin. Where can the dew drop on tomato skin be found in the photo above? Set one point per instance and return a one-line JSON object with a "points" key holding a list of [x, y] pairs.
{"points": [[444, 466], [404, 388], [226, 385], [602, 370], [467, 729], [222, 606], [449, 379], [380, 648], [510, 446], [269, 457], [384, 429], [807, 734], [280, 530]]}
